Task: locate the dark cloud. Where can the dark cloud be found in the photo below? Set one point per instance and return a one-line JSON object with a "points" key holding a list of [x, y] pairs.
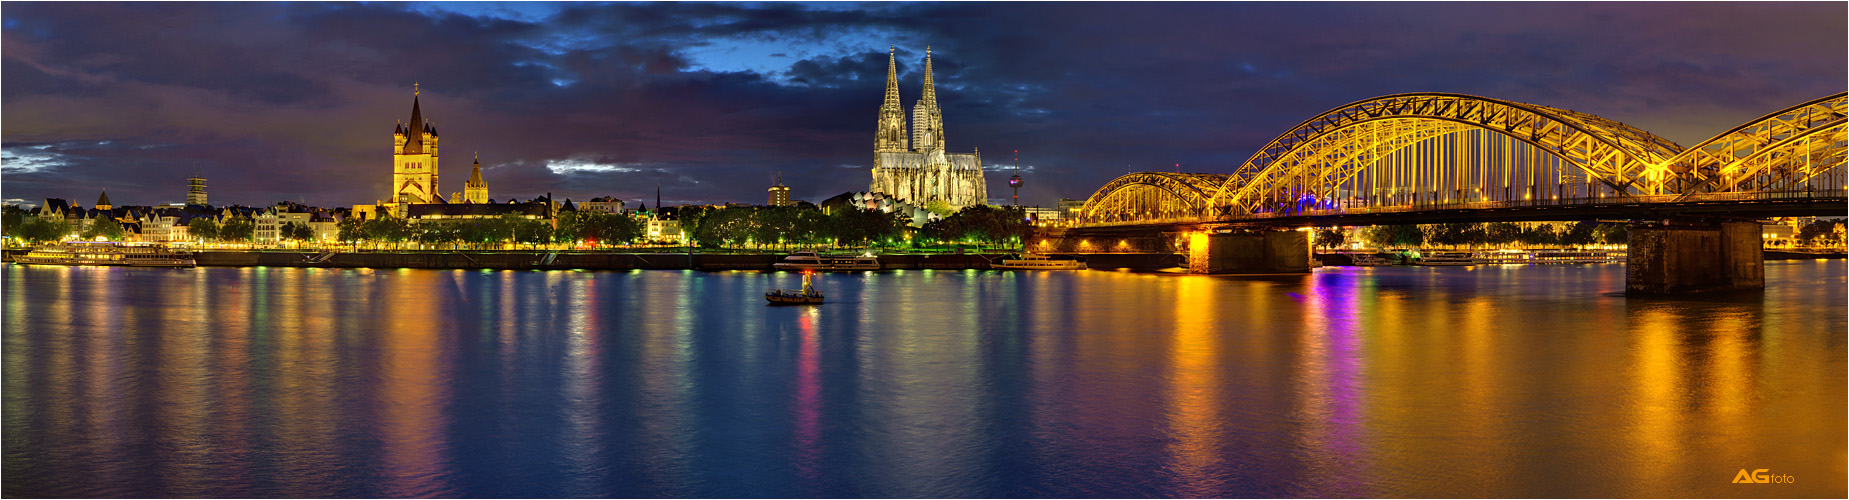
{"points": [[275, 101]]}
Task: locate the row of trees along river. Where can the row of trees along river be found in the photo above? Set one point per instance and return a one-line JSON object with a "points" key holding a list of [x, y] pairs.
{"points": [[757, 228]]}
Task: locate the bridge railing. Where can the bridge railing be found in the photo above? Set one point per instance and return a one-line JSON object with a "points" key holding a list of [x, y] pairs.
{"points": [[1493, 205]]}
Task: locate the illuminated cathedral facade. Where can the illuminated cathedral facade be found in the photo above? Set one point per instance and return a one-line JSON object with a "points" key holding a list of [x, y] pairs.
{"points": [[918, 168]]}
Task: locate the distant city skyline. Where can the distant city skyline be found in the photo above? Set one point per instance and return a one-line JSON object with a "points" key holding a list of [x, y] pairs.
{"points": [[281, 101]]}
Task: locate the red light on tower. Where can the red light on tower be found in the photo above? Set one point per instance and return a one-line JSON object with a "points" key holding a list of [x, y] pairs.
{"points": [[1014, 181]]}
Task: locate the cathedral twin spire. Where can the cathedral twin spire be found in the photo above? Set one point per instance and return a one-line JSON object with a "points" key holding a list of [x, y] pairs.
{"points": [[890, 136], [927, 120]]}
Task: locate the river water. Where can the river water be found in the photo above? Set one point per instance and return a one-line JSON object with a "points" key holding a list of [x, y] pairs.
{"points": [[1533, 381]]}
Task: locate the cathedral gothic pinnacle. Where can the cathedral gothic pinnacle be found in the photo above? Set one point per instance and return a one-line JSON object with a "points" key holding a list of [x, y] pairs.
{"points": [[927, 119], [922, 171], [891, 133]]}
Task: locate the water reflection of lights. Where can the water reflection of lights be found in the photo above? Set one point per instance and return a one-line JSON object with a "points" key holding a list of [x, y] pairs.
{"points": [[1328, 385], [1194, 404], [413, 390], [808, 405], [582, 442]]}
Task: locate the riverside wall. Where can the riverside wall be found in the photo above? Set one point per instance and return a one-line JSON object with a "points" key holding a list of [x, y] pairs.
{"points": [[564, 260]]}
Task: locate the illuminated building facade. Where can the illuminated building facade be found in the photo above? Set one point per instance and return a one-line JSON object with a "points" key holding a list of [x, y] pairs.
{"points": [[918, 169], [779, 193], [195, 191], [414, 160], [475, 191]]}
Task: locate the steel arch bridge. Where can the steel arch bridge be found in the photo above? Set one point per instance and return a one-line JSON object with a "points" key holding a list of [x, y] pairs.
{"points": [[1431, 151]]}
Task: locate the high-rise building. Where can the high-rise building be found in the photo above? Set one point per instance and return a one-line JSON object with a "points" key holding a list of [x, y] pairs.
{"points": [[922, 171], [779, 193], [195, 191]]}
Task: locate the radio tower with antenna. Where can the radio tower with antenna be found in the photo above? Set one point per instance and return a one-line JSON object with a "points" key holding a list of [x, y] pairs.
{"points": [[1015, 180]]}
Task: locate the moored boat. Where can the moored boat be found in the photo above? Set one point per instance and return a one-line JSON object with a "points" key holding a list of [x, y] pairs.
{"points": [[1368, 260], [1038, 262], [79, 253], [1578, 257], [1447, 259], [1503, 257], [807, 260], [806, 295]]}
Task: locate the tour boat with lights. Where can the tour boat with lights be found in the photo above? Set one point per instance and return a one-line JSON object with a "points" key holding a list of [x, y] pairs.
{"points": [[1368, 260], [1448, 259], [807, 295], [807, 260], [1038, 262], [1578, 257], [80, 253]]}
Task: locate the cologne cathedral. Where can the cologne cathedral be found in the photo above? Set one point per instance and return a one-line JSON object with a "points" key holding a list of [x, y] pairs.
{"points": [[918, 169]]}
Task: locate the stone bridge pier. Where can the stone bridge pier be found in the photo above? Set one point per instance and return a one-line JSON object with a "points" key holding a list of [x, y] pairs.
{"points": [[1235, 251], [1249, 252], [1694, 255]]}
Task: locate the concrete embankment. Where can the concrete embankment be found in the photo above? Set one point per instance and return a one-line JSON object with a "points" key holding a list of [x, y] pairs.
{"points": [[1790, 255], [563, 260]]}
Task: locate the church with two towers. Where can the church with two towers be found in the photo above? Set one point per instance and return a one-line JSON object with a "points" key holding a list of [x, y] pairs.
{"points": [[918, 168]]}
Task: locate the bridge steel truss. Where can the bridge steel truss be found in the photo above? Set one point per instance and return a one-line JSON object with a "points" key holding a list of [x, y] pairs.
{"points": [[1153, 196], [1799, 148], [1412, 152]]}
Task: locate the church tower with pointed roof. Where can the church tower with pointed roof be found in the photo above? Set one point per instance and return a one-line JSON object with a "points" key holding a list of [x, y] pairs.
{"points": [[927, 119], [475, 191], [414, 160], [922, 171], [890, 137]]}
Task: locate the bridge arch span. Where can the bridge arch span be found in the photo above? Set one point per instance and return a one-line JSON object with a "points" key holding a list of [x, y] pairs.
{"points": [[1152, 196], [1451, 153], [1566, 152], [1798, 148]]}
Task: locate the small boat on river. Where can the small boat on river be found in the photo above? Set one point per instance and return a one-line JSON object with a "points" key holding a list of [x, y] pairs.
{"points": [[807, 260], [807, 295], [1448, 259], [1578, 257], [1038, 262], [82, 253], [1368, 260]]}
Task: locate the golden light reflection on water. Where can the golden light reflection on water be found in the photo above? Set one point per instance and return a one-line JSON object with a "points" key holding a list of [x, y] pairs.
{"points": [[412, 388], [1479, 395], [102, 396], [307, 423], [183, 371], [1194, 405], [1425, 383], [1655, 409]]}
